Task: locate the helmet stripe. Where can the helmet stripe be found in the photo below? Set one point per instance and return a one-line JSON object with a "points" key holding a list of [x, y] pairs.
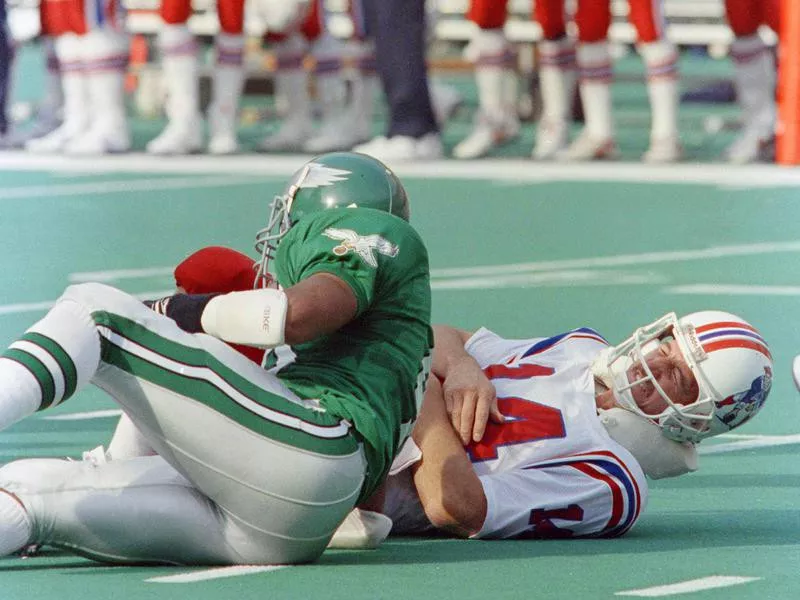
{"points": [[737, 324], [737, 343], [736, 332]]}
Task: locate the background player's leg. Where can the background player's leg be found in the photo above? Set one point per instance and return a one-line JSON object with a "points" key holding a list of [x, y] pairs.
{"points": [[754, 79], [105, 58], [495, 67], [228, 78], [661, 62], [183, 133], [74, 84], [291, 88]]}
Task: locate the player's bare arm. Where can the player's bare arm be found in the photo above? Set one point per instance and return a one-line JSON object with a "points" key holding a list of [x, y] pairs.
{"points": [[317, 306], [469, 396], [449, 489]]}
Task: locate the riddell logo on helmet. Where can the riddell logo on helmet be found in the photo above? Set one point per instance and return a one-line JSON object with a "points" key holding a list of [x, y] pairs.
{"points": [[694, 343]]}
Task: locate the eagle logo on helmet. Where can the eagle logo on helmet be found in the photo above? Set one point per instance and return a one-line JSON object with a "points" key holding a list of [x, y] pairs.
{"points": [[365, 246], [318, 175], [738, 408]]}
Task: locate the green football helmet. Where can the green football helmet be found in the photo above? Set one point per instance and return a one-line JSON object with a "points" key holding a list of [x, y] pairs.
{"points": [[333, 180]]}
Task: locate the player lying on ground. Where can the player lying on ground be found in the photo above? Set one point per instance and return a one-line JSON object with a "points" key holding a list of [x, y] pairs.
{"points": [[566, 463], [584, 423], [265, 466]]}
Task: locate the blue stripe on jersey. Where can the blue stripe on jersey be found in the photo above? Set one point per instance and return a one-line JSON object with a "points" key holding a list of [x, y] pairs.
{"points": [[544, 344], [621, 475], [616, 471]]}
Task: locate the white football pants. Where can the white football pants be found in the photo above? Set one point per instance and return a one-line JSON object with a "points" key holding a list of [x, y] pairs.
{"points": [[277, 473]]}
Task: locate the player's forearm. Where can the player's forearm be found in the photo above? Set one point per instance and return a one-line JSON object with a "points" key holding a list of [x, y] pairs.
{"points": [[449, 490], [448, 349]]}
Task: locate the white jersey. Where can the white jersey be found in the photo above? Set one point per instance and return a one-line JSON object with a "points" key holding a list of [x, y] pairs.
{"points": [[550, 471]]}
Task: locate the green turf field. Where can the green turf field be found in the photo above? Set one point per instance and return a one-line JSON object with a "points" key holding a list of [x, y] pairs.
{"points": [[523, 248]]}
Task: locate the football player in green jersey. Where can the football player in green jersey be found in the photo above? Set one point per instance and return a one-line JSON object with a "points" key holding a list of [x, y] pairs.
{"points": [[258, 466]]}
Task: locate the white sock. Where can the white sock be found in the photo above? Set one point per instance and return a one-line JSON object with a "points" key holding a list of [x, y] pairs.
{"points": [[661, 61], [20, 394], [52, 360], [755, 73], [594, 62], [557, 79]]}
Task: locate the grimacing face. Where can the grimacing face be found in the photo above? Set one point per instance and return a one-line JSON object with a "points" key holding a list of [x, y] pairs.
{"points": [[671, 371]]}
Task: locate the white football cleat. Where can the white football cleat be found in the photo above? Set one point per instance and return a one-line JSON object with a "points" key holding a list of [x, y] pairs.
{"points": [[552, 137], [16, 527], [403, 148], [178, 138], [221, 143], [588, 147], [485, 136], [291, 136], [44, 123], [337, 134], [55, 140], [98, 141], [751, 146], [663, 151], [222, 132]]}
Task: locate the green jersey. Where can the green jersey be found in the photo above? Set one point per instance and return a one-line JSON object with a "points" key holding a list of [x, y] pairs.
{"points": [[370, 372]]}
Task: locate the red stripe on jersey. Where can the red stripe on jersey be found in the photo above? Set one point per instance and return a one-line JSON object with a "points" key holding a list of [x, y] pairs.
{"points": [[617, 504], [627, 471]]}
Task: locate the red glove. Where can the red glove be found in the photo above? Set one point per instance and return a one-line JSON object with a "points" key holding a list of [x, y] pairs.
{"points": [[216, 269]]}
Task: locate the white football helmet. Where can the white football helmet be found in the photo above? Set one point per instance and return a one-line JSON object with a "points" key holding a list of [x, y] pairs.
{"points": [[730, 361]]}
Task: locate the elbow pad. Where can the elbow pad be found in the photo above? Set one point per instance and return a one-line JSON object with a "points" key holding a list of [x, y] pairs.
{"points": [[253, 318]]}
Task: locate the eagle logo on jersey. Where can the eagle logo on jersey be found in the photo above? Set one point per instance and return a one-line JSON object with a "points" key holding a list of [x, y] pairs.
{"points": [[363, 245], [317, 175]]}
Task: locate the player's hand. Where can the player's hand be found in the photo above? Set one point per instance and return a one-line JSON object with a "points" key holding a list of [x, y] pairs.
{"points": [[470, 399]]}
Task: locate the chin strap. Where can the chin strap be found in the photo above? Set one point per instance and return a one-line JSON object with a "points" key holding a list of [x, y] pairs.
{"points": [[658, 456]]}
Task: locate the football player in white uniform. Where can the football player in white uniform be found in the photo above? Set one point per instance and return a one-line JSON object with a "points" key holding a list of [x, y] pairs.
{"points": [[563, 447]]}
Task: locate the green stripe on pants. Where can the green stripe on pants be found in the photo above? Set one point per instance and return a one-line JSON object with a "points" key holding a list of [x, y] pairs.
{"points": [[63, 359], [39, 371]]}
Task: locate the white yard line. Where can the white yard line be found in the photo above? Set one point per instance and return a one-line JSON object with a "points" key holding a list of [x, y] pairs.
{"points": [[116, 275], [513, 170], [13, 309], [719, 289], [569, 278], [85, 416], [686, 587], [121, 187], [761, 441], [621, 260], [207, 574]]}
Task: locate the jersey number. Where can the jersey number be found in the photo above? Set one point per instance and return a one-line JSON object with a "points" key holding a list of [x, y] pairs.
{"points": [[543, 527], [526, 420]]}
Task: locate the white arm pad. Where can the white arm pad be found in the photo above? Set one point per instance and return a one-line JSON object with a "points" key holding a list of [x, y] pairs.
{"points": [[253, 318], [658, 456]]}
